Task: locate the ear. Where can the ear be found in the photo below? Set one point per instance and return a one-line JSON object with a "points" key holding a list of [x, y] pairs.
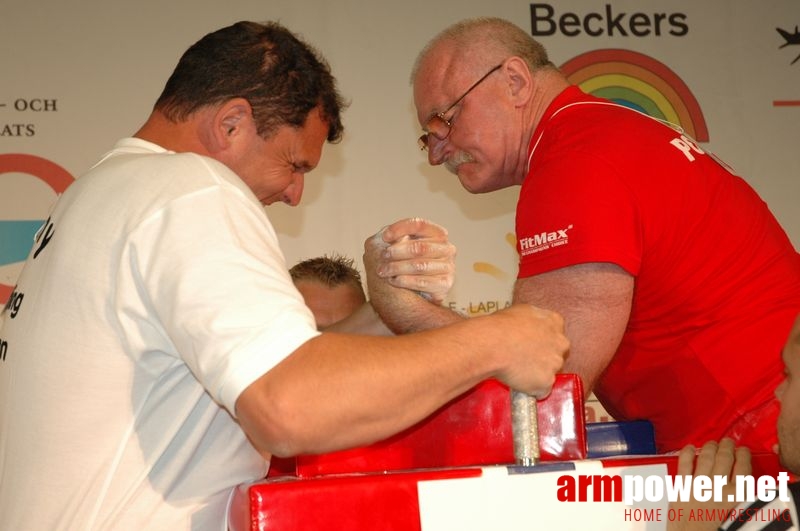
{"points": [[231, 120], [520, 80]]}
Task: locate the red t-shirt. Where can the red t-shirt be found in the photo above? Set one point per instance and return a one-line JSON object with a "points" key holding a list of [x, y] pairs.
{"points": [[717, 281]]}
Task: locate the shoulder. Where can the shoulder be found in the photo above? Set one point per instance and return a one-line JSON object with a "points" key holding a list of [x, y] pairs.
{"points": [[140, 165]]}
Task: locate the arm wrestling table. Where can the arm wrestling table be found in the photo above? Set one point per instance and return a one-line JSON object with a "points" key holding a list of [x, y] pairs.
{"points": [[456, 471]]}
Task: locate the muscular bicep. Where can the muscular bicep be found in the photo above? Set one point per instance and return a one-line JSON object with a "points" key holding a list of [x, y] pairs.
{"points": [[595, 301]]}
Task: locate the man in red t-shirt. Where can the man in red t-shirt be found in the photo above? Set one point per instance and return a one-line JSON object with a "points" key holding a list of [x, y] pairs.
{"points": [[677, 284]]}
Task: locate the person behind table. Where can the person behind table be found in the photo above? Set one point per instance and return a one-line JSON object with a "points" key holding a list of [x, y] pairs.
{"points": [[331, 287], [722, 459], [676, 282], [161, 354]]}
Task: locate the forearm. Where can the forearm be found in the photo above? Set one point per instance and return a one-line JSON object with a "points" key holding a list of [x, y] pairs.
{"points": [[379, 387], [338, 391], [366, 321], [595, 301], [434, 316], [404, 311]]}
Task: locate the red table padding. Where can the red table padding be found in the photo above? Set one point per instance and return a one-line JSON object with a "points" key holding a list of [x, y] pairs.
{"points": [[472, 430], [388, 502]]}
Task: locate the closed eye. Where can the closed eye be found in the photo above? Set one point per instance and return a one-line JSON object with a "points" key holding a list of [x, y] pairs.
{"points": [[301, 167]]}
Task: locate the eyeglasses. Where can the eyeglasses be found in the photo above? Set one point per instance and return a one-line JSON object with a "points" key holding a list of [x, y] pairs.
{"points": [[438, 125]]}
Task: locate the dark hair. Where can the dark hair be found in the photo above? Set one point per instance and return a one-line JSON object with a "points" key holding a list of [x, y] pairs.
{"points": [[281, 77], [329, 270]]}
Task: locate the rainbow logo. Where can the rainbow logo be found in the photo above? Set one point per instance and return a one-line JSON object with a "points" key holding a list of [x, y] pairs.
{"points": [[18, 228], [639, 82]]}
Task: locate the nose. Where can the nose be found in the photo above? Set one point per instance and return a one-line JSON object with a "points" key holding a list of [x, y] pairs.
{"points": [[436, 150], [294, 192], [780, 389]]}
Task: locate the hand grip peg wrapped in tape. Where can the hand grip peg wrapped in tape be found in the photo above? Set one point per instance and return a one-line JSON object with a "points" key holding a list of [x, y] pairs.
{"points": [[525, 428]]}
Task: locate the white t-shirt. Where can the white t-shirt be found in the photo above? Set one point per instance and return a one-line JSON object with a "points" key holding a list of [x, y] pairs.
{"points": [[153, 296]]}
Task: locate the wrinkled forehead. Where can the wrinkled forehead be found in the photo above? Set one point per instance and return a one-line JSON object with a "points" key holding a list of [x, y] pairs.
{"points": [[437, 64], [439, 75]]}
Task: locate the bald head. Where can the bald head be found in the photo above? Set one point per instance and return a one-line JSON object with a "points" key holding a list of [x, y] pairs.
{"points": [[480, 87], [478, 42]]}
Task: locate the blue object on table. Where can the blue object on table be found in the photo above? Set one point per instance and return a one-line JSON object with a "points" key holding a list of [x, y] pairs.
{"points": [[606, 439]]}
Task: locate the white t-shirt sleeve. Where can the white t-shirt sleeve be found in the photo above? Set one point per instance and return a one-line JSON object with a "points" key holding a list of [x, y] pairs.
{"points": [[212, 272]]}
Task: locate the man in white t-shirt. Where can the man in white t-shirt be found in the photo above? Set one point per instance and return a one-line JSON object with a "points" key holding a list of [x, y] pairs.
{"points": [[155, 353]]}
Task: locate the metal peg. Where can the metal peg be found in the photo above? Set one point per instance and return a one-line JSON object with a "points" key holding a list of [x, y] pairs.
{"points": [[525, 428]]}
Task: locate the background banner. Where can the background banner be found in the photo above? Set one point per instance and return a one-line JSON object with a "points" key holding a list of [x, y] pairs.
{"points": [[76, 76]]}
